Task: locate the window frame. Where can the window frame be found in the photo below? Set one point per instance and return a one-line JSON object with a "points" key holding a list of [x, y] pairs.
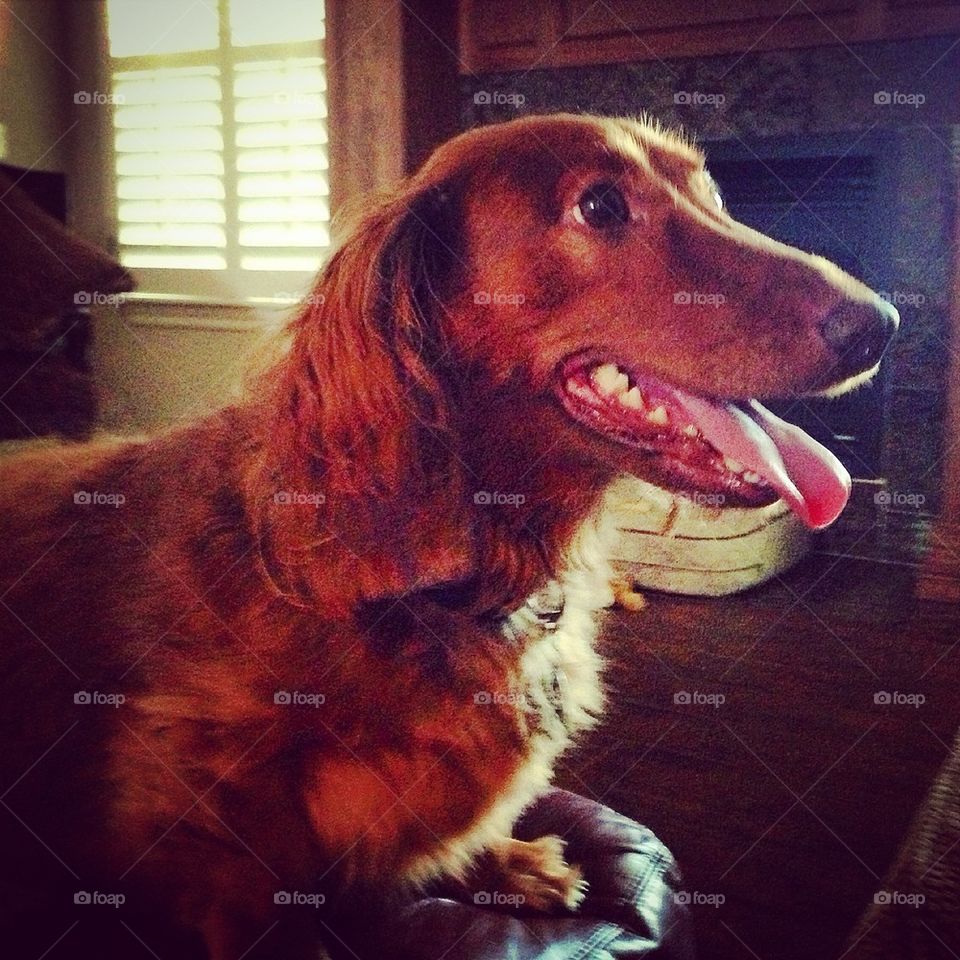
{"points": [[233, 285]]}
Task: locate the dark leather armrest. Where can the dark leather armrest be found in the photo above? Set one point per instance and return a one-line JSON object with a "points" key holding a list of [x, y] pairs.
{"points": [[630, 911]]}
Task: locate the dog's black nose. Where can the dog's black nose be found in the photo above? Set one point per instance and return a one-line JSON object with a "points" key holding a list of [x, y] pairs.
{"points": [[858, 334]]}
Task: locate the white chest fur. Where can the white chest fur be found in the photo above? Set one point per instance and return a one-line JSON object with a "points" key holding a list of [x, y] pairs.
{"points": [[561, 694]]}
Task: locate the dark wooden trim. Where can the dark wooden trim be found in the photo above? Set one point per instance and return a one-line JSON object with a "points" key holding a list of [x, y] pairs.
{"points": [[365, 92], [432, 77], [393, 90]]}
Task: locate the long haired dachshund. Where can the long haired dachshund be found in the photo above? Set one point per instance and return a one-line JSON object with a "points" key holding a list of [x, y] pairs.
{"points": [[335, 635]]}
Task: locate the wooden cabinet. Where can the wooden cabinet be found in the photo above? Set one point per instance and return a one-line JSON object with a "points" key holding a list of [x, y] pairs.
{"points": [[527, 34]]}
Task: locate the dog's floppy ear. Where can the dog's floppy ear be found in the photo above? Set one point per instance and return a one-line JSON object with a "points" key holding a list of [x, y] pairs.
{"points": [[365, 498]]}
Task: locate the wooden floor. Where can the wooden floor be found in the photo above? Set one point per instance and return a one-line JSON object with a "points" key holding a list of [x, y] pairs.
{"points": [[787, 799]]}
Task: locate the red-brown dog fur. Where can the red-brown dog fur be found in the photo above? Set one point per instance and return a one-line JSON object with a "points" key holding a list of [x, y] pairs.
{"points": [[402, 396]]}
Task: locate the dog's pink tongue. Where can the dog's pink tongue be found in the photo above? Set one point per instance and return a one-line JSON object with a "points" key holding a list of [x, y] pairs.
{"points": [[804, 472]]}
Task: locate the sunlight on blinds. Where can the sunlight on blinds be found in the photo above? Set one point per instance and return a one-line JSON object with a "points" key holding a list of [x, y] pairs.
{"points": [[275, 21], [282, 163], [221, 149], [170, 171], [142, 27]]}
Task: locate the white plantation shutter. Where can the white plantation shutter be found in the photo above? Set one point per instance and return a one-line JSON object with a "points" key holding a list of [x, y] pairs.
{"points": [[221, 145], [282, 189], [171, 183]]}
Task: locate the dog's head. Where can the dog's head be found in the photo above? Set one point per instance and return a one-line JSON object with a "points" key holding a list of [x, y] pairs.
{"points": [[603, 263], [574, 286]]}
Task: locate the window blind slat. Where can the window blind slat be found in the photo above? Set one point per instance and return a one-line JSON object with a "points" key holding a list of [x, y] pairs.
{"points": [[303, 133], [163, 258], [196, 162], [172, 211]]}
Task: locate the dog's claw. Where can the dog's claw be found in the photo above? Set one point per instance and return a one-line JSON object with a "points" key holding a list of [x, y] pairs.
{"points": [[536, 873], [578, 894]]}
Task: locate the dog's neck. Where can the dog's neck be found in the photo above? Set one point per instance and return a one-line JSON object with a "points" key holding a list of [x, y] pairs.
{"points": [[489, 540], [530, 497]]}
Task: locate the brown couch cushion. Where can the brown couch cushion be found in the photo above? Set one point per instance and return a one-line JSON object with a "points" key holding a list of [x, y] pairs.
{"points": [[46, 396], [45, 266]]}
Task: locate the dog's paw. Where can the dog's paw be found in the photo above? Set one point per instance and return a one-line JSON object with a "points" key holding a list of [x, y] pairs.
{"points": [[535, 875], [627, 596]]}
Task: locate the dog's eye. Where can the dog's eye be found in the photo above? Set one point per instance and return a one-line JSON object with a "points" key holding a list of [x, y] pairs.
{"points": [[602, 206]]}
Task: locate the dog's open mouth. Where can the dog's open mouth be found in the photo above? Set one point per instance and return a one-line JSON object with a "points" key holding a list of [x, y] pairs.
{"points": [[740, 450]]}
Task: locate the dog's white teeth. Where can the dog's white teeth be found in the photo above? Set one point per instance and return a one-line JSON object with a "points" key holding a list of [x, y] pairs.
{"points": [[752, 477], [734, 466], [633, 399], [607, 378], [691, 431], [659, 416]]}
